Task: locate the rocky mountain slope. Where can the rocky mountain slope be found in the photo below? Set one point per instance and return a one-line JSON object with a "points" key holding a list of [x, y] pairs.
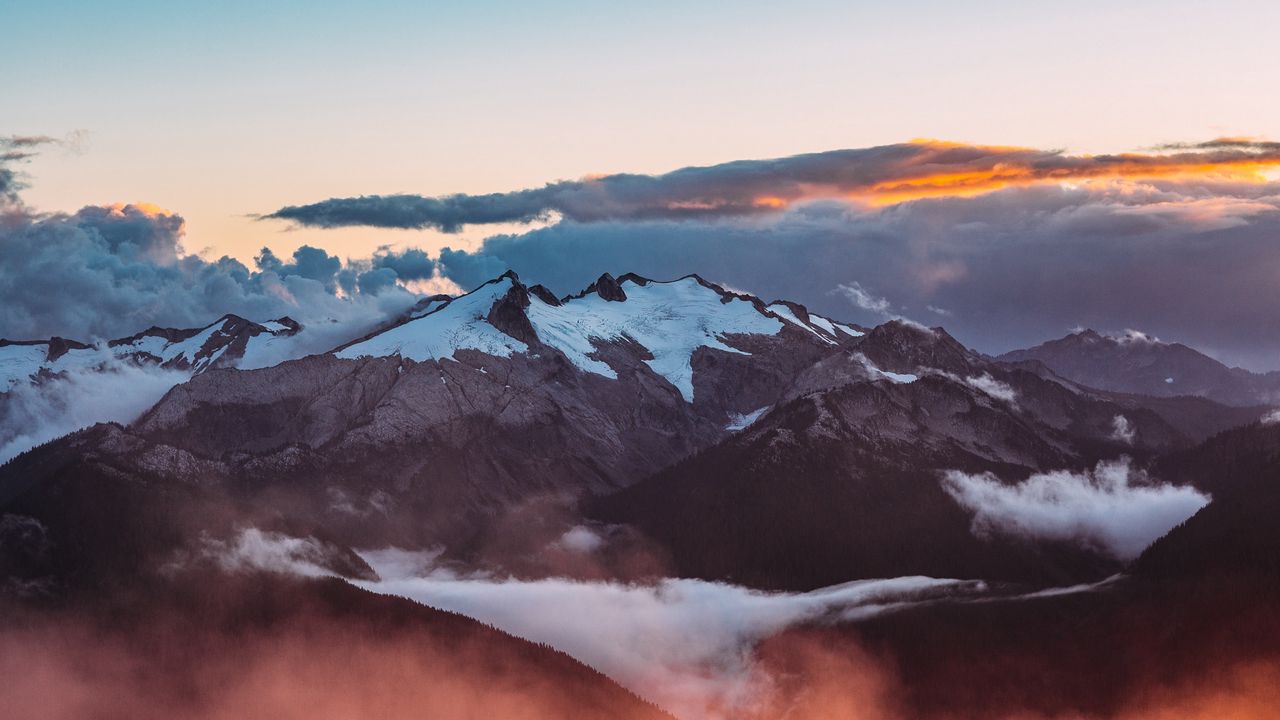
{"points": [[687, 429], [1139, 364], [703, 407]]}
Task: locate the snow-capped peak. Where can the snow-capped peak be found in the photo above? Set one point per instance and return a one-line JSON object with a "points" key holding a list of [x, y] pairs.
{"points": [[461, 324], [670, 320]]}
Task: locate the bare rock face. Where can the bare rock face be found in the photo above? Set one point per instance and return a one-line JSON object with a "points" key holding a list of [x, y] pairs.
{"points": [[507, 314], [609, 289], [902, 347], [60, 346]]}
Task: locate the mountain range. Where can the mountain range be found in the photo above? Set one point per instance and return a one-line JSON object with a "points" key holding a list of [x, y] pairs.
{"points": [[230, 341], [1134, 362], [689, 429]]}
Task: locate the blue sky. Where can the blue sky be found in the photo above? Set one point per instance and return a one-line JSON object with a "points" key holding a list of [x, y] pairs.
{"points": [[225, 109]]}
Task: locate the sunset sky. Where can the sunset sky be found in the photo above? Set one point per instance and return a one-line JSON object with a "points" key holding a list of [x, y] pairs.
{"points": [[222, 115]]}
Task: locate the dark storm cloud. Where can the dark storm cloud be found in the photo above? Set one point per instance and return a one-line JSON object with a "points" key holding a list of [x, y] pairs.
{"points": [[754, 187], [411, 264], [132, 230], [1196, 262], [308, 262], [469, 270]]}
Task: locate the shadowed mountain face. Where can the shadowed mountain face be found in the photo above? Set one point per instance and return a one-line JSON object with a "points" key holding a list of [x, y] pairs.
{"points": [[1136, 363], [1190, 632], [713, 434], [748, 440]]}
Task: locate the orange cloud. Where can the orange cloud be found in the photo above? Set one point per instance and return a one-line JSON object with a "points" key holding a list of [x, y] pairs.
{"points": [[1236, 160], [878, 175], [146, 209]]}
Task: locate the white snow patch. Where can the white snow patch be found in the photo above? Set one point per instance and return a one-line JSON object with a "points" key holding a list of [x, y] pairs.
{"points": [[785, 313], [850, 331], [265, 350], [742, 422], [430, 307], [460, 325], [1272, 417], [671, 320], [823, 323], [19, 362]]}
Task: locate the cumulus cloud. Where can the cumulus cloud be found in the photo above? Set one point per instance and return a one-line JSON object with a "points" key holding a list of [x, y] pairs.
{"points": [[1114, 508], [33, 414], [887, 173], [110, 271]]}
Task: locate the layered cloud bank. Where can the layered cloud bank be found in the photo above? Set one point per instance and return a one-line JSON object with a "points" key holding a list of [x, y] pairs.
{"points": [[1114, 508], [1005, 246], [885, 174]]}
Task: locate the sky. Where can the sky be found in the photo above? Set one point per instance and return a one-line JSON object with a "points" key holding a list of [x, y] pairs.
{"points": [[224, 113]]}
